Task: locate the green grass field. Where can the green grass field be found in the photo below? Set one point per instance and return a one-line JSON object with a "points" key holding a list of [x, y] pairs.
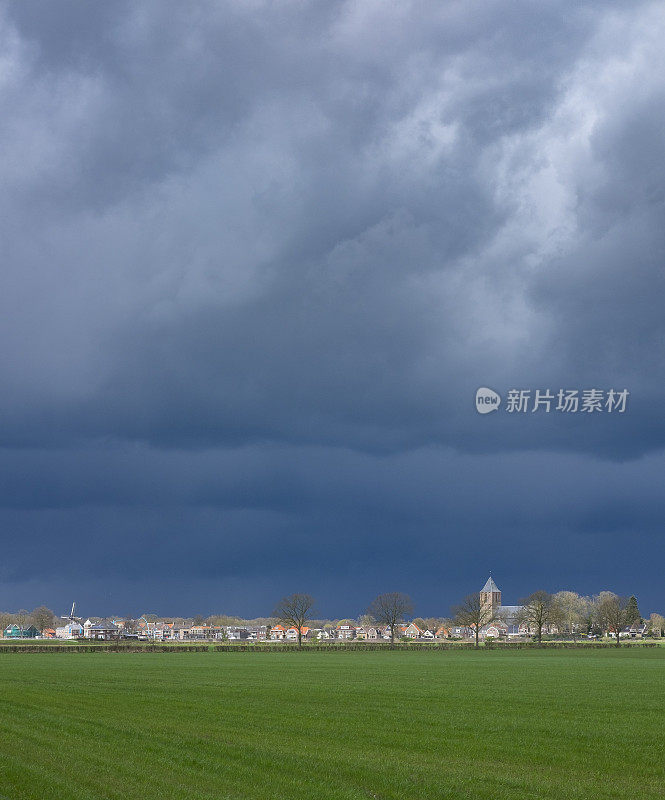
{"points": [[481, 725]]}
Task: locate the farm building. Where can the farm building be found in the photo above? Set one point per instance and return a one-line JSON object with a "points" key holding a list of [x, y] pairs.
{"points": [[15, 632]]}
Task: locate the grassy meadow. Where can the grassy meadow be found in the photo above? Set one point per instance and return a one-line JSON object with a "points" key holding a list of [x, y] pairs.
{"points": [[456, 724]]}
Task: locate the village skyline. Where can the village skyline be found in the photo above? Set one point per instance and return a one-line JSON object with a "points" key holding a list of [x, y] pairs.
{"points": [[509, 618]]}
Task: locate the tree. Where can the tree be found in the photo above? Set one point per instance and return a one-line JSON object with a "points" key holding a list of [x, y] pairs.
{"points": [[434, 623], [390, 609], [5, 620], [632, 611], [42, 618], [612, 614], [21, 618], [221, 620], [568, 611], [473, 613], [538, 610], [295, 610], [588, 609], [657, 625]]}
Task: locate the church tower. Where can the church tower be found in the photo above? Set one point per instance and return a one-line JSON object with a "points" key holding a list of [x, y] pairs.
{"points": [[490, 594]]}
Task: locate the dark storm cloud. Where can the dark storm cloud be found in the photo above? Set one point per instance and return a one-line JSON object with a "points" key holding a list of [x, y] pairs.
{"points": [[257, 258]]}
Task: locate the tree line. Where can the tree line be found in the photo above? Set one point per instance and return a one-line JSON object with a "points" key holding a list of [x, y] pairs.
{"points": [[41, 617], [569, 613]]}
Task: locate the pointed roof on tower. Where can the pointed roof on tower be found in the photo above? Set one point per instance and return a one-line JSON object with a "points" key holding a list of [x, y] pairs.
{"points": [[490, 586]]}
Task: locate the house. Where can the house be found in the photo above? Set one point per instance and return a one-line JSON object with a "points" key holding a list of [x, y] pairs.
{"points": [[277, 632], [635, 631], [346, 631], [292, 633], [442, 633], [15, 632], [72, 630], [100, 630], [412, 631], [163, 631], [233, 633], [368, 633], [495, 630], [48, 633], [145, 628], [201, 632]]}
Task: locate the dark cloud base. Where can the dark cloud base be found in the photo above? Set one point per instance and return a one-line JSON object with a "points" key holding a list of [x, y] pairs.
{"points": [[257, 260]]}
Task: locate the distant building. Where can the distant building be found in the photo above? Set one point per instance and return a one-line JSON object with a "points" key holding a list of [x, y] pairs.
{"points": [[234, 633], [100, 630], [506, 622], [346, 631], [277, 632], [292, 633], [15, 632], [72, 630], [412, 631]]}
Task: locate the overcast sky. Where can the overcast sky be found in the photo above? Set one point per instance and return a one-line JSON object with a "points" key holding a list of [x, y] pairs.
{"points": [[257, 257]]}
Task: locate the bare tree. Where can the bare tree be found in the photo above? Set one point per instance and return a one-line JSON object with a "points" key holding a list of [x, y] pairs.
{"points": [[588, 608], [473, 613], [568, 611], [295, 610], [42, 618], [435, 623], [21, 618], [613, 614], [657, 625], [390, 609], [538, 610]]}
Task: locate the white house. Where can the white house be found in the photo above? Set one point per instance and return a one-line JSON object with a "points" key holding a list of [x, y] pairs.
{"points": [[72, 630], [292, 633], [412, 631]]}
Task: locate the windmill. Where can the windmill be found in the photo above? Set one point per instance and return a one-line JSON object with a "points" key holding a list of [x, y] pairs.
{"points": [[71, 616]]}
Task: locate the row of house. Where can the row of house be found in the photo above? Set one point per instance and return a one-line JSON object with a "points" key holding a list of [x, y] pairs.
{"points": [[346, 631], [167, 631], [17, 632], [505, 624]]}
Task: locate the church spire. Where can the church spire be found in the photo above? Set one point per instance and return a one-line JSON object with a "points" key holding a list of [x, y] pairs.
{"points": [[490, 594]]}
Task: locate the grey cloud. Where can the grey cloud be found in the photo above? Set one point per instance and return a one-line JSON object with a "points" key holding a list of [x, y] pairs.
{"points": [[275, 249]]}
